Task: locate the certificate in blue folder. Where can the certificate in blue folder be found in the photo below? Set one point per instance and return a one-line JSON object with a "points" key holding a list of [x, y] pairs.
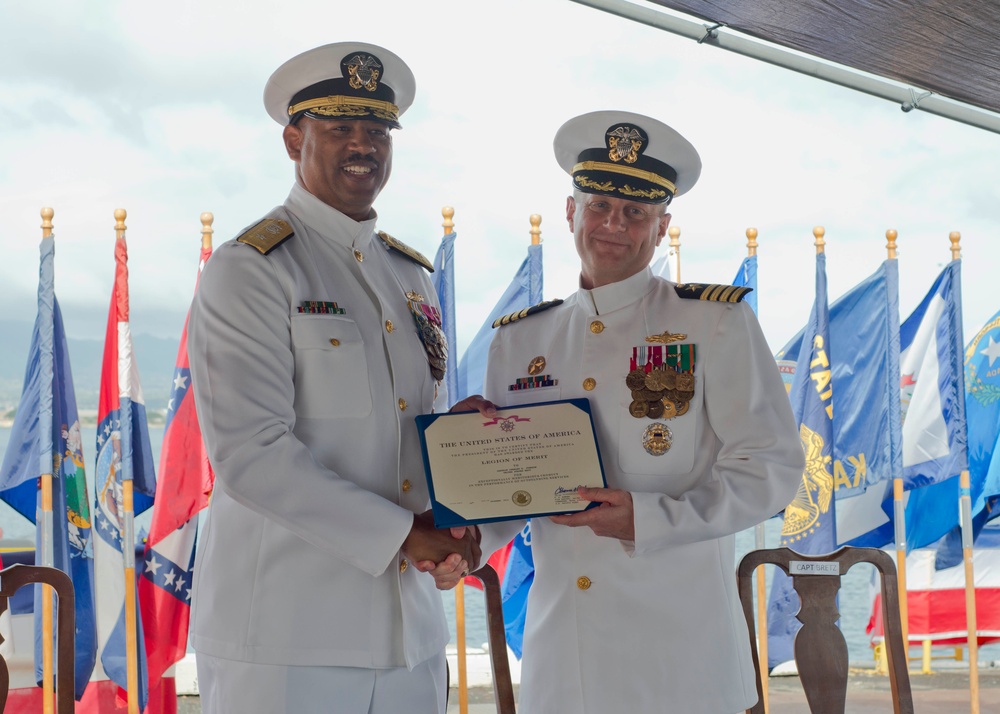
{"points": [[527, 461]]}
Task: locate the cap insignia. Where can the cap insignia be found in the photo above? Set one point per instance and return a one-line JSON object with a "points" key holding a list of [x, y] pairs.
{"points": [[625, 143], [364, 71]]}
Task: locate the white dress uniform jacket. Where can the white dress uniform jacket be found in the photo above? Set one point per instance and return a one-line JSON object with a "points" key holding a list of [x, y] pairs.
{"points": [[653, 625], [308, 421]]}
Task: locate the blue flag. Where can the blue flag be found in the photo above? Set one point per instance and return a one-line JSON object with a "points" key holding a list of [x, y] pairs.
{"points": [[517, 580], [864, 354], [747, 276], [809, 524], [982, 405], [932, 387], [46, 437], [524, 291], [444, 283]]}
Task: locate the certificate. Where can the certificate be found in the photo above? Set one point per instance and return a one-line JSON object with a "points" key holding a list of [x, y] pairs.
{"points": [[526, 461]]}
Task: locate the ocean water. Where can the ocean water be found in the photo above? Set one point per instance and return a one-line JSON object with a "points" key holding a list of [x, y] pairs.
{"points": [[855, 601]]}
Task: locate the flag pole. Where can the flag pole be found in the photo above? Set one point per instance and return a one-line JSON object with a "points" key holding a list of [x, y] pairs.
{"points": [[965, 500], [45, 461], [448, 213], [899, 512], [760, 543], [536, 231], [965, 505], [128, 546], [675, 248]]}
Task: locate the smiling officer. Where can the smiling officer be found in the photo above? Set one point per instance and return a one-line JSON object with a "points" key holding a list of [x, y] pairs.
{"points": [[314, 341]]}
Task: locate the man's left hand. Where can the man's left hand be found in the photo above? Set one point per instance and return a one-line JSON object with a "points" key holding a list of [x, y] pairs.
{"points": [[476, 402], [614, 518]]}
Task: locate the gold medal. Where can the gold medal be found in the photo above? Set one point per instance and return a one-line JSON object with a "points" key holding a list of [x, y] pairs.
{"points": [[670, 409], [638, 408], [656, 380], [685, 382], [536, 365], [657, 439], [655, 410], [682, 408], [636, 379]]}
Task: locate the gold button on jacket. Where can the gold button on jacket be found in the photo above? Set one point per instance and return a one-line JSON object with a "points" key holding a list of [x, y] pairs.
{"points": [[403, 565], [583, 582], [597, 327], [407, 485]]}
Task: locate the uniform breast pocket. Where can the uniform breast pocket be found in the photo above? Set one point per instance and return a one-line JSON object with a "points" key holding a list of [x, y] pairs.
{"points": [[658, 446], [331, 373]]}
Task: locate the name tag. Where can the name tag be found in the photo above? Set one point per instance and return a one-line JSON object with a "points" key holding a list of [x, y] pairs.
{"points": [[802, 567]]}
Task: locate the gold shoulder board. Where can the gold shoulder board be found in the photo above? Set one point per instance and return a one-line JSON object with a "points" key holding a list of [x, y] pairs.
{"points": [[533, 310], [267, 235], [715, 293], [406, 250]]}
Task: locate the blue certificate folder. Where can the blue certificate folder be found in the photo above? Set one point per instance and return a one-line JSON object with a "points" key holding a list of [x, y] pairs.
{"points": [[524, 463]]}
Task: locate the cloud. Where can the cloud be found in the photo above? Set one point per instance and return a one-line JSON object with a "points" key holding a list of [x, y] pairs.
{"points": [[157, 109]]}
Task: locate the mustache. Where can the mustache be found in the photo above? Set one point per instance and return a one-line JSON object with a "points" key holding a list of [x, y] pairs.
{"points": [[357, 156]]}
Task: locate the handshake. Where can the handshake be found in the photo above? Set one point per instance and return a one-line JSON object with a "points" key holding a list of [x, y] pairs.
{"points": [[448, 554]]}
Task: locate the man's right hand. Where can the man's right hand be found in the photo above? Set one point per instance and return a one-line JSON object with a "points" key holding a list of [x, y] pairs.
{"points": [[426, 544]]}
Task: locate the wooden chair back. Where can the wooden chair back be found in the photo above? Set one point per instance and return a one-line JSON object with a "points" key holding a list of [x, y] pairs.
{"points": [[14, 578], [503, 688], [820, 647]]}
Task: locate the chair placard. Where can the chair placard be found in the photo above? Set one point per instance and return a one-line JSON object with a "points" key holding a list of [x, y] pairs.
{"points": [[804, 567]]}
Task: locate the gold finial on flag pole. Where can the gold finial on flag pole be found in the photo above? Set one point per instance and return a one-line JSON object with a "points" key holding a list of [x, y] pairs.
{"points": [[120, 222], [819, 232], [956, 250], [206, 229], [449, 225], [536, 231], [890, 237], [47, 214], [675, 247], [751, 242]]}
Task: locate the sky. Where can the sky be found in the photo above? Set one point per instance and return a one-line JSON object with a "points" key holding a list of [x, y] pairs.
{"points": [[156, 108]]}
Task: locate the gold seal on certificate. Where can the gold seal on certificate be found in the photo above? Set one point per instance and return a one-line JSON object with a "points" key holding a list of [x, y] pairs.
{"points": [[526, 461]]}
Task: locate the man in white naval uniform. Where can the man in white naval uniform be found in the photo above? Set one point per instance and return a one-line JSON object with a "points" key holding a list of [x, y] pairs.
{"points": [[314, 341], [634, 605]]}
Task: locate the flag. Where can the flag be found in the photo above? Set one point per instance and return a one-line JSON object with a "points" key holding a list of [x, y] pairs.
{"points": [[524, 291], [747, 276], [123, 454], [982, 405], [515, 567], [667, 266], [932, 388], [444, 283], [45, 437], [809, 520], [182, 491], [936, 595], [864, 356]]}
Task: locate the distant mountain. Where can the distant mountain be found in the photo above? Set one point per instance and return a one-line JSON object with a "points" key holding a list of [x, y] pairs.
{"points": [[155, 356]]}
